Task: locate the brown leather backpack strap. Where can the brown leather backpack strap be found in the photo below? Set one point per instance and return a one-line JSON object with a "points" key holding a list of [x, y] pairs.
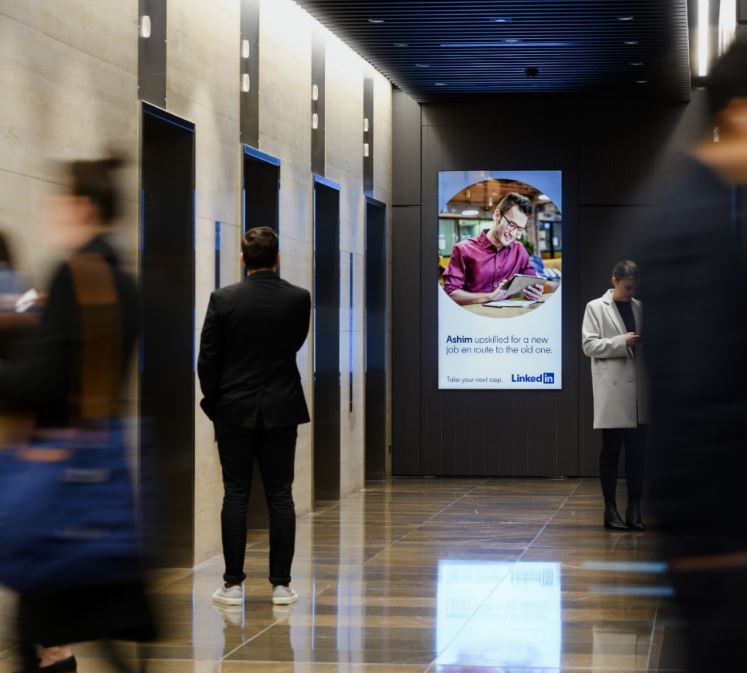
{"points": [[101, 338]]}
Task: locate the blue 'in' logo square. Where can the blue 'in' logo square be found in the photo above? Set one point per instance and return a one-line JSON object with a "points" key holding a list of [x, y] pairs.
{"points": [[548, 378]]}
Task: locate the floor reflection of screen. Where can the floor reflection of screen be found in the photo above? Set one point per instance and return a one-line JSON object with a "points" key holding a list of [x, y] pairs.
{"points": [[499, 614]]}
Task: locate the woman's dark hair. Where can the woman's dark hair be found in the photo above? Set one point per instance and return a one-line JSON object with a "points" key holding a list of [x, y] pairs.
{"points": [[95, 180], [513, 199], [260, 248], [625, 269], [6, 254]]}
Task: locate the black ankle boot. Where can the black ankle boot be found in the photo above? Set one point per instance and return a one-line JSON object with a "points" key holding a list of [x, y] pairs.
{"points": [[68, 665], [612, 519], [633, 516]]}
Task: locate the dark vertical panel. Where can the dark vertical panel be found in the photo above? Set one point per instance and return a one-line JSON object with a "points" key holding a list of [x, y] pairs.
{"points": [[407, 150], [261, 190], [249, 68], [261, 208], [167, 268], [152, 52], [318, 78], [608, 234], [368, 135], [406, 458], [326, 342], [497, 432], [217, 253], [376, 307]]}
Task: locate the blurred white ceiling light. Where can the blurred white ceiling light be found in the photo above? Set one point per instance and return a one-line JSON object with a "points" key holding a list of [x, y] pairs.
{"points": [[727, 25], [245, 49], [471, 212], [543, 197], [703, 41]]}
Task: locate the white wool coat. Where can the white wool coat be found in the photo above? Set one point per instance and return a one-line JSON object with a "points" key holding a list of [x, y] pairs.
{"points": [[618, 377]]}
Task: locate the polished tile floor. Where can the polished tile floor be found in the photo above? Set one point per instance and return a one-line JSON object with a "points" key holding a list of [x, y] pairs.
{"points": [[436, 576]]}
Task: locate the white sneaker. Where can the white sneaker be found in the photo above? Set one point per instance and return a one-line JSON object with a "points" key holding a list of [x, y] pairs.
{"points": [[283, 595], [229, 595]]}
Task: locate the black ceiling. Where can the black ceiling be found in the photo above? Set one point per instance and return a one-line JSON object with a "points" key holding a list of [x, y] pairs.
{"points": [[441, 49]]}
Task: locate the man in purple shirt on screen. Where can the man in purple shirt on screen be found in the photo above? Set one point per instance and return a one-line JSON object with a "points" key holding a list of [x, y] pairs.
{"points": [[480, 268]]}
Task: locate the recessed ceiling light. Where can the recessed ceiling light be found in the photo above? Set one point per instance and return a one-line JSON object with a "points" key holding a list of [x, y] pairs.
{"points": [[376, 20], [470, 212], [440, 83], [401, 44], [635, 64], [641, 81], [422, 65], [631, 43], [625, 18]]}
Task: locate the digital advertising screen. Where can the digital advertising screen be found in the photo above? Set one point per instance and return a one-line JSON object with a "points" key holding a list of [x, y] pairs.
{"points": [[500, 271]]}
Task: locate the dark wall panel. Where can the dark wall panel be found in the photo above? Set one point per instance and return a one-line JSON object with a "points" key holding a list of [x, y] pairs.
{"points": [[612, 154], [496, 432], [609, 234], [376, 309], [406, 140], [406, 457]]}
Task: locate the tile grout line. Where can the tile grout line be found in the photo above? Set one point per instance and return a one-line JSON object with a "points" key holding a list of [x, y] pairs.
{"points": [[497, 586], [430, 518]]}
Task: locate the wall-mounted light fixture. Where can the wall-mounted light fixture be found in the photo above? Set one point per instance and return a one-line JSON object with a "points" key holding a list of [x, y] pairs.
{"points": [[314, 92], [365, 124], [315, 121], [246, 82], [245, 49], [365, 149], [145, 27]]}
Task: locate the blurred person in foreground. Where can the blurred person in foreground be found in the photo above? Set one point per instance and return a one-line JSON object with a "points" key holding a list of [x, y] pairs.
{"points": [[696, 354], [253, 394], [46, 379], [611, 338]]}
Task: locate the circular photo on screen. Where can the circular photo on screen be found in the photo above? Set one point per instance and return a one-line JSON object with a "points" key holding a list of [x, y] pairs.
{"points": [[500, 248]]}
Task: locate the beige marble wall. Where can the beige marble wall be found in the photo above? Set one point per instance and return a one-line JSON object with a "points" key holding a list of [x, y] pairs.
{"points": [[202, 85], [69, 79], [69, 83], [285, 132]]}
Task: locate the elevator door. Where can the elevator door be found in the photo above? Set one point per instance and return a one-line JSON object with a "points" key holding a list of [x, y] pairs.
{"points": [[326, 340], [375, 340], [261, 205], [167, 277]]}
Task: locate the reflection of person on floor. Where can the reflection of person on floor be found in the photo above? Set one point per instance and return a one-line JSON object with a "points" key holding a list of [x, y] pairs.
{"points": [[611, 338], [697, 361], [481, 267]]}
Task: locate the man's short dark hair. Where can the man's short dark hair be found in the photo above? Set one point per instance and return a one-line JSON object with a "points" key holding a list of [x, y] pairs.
{"points": [[627, 268], [513, 199], [260, 248]]}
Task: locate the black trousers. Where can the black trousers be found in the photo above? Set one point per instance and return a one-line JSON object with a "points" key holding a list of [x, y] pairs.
{"points": [[274, 451], [613, 440]]}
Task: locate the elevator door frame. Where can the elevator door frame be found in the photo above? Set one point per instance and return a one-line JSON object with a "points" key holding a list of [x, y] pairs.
{"points": [[327, 491]]}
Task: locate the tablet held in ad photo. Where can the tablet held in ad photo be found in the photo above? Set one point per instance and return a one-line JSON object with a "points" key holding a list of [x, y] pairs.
{"points": [[500, 270]]}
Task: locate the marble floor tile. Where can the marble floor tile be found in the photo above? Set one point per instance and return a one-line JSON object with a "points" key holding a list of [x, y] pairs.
{"points": [[429, 576]]}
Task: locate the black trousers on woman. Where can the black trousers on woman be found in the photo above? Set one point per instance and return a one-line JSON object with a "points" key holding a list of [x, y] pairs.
{"points": [[613, 439]]}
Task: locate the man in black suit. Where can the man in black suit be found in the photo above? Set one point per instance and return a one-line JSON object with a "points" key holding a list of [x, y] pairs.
{"points": [[252, 393]]}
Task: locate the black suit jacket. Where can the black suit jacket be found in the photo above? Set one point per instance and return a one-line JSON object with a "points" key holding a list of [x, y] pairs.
{"points": [[247, 363]]}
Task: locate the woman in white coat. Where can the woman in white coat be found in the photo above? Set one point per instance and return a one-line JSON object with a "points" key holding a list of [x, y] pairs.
{"points": [[611, 337]]}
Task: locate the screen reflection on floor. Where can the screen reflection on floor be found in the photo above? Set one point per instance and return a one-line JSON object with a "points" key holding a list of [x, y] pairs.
{"points": [[498, 614]]}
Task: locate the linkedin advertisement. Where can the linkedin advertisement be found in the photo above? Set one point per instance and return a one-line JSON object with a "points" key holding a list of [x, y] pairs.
{"points": [[500, 270]]}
